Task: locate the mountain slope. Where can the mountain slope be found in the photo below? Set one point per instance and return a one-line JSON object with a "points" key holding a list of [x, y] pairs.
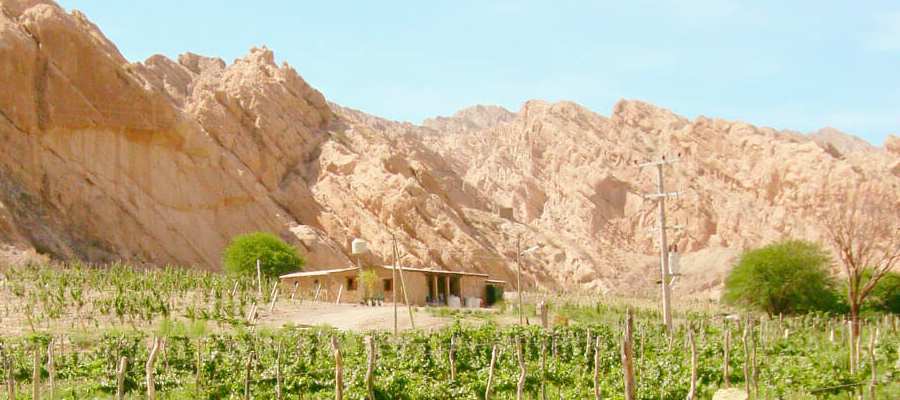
{"points": [[163, 161]]}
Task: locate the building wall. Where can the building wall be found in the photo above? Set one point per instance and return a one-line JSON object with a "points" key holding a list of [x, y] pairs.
{"points": [[416, 283]]}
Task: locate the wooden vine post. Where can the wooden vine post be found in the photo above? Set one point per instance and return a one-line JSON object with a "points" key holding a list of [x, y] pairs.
{"points": [[520, 385], [451, 354], [544, 367], [259, 280], [746, 344], [692, 392], [274, 296], [248, 367], [370, 367], [278, 379], [726, 360], [150, 369], [36, 374], [597, 392], [120, 378], [545, 314], [874, 373], [628, 357], [340, 291], [490, 379], [338, 370], [294, 290], [51, 370], [10, 378]]}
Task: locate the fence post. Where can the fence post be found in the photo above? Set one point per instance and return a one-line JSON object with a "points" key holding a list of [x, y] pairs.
{"points": [[150, 370], [545, 320], [338, 370], [627, 357], [490, 379], [120, 378]]}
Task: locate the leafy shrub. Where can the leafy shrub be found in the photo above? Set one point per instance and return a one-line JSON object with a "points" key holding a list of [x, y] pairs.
{"points": [[885, 296], [276, 257], [782, 278]]}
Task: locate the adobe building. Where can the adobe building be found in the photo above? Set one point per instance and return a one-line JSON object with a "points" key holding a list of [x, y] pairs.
{"points": [[424, 286]]}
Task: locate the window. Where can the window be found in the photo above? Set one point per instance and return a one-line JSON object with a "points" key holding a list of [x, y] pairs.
{"points": [[351, 283], [388, 285]]}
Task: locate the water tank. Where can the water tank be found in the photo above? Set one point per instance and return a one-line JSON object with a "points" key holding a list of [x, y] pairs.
{"points": [[674, 262], [359, 246]]}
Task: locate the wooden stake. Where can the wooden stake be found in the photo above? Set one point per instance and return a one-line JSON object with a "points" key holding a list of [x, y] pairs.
{"points": [[278, 379], [294, 290], [340, 291], [746, 358], [545, 320], [370, 367], [412, 323], [451, 354], [120, 378], [274, 296], [258, 280], [150, 370], [338, 370], [627, 357], [36, 374], [318, 288], [692, 392], [597, 392], [490, 379], [10, 379], [726, 360], [872, 359], [520, 386], [543, 367], [247, 371], [51, 370]]}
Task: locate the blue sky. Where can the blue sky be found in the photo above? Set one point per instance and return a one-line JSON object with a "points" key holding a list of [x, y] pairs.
{"points": [[798, 65]]}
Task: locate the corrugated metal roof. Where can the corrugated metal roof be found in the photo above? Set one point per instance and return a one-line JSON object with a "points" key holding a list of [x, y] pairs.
{"points": [[318, 273]]}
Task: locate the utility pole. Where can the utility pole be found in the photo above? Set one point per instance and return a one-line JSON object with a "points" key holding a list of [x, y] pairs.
{"points": [[394, 279], [660, 196], [519, 277]]}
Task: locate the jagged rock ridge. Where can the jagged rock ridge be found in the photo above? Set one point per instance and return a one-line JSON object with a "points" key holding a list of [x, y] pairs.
{"points": [[163, 161]]}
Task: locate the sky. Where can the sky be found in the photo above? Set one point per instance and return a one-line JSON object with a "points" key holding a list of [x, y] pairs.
{"points": [[799, 65]]}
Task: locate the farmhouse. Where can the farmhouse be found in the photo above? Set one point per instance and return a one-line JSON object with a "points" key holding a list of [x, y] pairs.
{"points": [[424, 286]]}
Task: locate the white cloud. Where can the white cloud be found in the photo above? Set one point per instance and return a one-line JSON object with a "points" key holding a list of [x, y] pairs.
{"points": [[885, 35]]}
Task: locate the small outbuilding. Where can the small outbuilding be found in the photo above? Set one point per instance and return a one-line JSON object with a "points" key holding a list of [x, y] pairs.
{"points": [[424, 286]]}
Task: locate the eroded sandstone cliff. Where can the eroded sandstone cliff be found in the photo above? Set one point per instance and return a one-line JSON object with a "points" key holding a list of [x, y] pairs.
{"points": [[163, 161]]}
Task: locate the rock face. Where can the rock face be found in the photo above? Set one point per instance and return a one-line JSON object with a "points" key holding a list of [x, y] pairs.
{"points": [[165, 160]]}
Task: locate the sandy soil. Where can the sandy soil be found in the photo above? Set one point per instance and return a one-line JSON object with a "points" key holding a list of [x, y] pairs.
{"points": [[350, 316]]}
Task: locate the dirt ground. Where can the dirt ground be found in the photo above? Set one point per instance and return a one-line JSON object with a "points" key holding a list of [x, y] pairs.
{"points": [[352, 316]]}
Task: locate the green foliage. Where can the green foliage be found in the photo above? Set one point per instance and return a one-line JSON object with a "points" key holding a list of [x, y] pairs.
{"points": [[276, 257], [782, 278], [369, 281], [885, 296]]}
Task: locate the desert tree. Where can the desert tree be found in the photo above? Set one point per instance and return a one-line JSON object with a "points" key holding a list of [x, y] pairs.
{"points": [[862, 224]]}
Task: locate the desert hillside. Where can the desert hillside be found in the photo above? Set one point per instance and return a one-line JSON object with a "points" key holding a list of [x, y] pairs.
{"points": [[163, 161]]}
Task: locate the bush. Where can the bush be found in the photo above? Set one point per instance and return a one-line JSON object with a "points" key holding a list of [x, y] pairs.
{"points": [[276, 257], [785, 277], [885, 296]]}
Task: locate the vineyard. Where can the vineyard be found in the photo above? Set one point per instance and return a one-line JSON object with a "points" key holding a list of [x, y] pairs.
{"points": [[83, 332]]}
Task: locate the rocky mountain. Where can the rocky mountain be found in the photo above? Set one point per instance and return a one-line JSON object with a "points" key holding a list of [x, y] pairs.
{"points": [[163, 161]]}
